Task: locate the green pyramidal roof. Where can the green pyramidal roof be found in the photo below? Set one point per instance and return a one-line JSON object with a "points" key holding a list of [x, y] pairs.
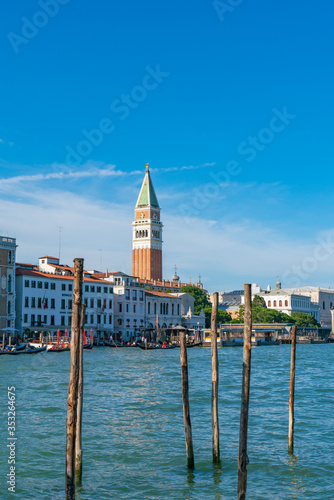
{"points": [[147, 196]]}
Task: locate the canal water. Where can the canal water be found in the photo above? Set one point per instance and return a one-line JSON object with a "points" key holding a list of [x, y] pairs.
{"points": [[133, 434]]}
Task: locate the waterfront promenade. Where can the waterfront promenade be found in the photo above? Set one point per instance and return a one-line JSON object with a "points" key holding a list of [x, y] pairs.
{"points": [[133, 436]]}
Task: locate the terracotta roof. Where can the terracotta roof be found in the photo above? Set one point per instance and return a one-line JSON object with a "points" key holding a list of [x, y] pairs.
{"points": [[162, 294], [49, 257], [31, 272]]}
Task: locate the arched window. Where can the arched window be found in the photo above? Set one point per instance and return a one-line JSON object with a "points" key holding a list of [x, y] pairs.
{"points": [[274, 303], [149, 308], [9, 283], [269, 303], [155, 308], [280, 303], [172, 309], [178, 309], [167, 308], [160, 307]]}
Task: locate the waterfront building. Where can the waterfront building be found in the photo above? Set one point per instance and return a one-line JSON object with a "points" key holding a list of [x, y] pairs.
{"points": [[147, 233], [189, 319], [7, 285], [322, 297], [44, 295], [288, 302], [163, 310], [129, 304]]}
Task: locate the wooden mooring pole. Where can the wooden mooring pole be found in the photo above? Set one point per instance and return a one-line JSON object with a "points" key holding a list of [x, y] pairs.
{"points": [[292, 388], [246, 368], [78, 444], [185, 400], [74, 381], [214, 395]]}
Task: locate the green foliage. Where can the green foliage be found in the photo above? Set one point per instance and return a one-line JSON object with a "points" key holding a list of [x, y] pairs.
{"points": [[148, 288], [201, 300], [222, 316], [262, 314], [259, 301], [303, 319]]}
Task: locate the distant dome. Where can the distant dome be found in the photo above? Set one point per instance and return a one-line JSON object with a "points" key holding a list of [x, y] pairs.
{"points": [[175, 277], [278, 284]]}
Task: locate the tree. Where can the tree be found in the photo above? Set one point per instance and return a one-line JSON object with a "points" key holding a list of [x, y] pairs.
{"points": [[201, 300], [259, 301], [304, 319], [222, 316], [261, 314]]}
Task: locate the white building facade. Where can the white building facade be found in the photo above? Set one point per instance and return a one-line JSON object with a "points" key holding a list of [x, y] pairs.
{"points": [[7, 284]]}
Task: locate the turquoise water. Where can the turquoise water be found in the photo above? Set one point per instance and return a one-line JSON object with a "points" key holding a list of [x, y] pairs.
{"points": [[133, 434]]}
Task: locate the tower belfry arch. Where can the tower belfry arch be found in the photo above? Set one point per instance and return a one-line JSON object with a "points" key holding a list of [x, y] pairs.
{"points": [[147, 233]]}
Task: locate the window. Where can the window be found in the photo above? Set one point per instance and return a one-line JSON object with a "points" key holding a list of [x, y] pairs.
{"points": [[160, 307], [26, 301], [98, 319], [9, 257], [178, 309], [91, 303], [46, 285], [98, 289], [331, 305], [86, 318], [127, 308], [25, 318], [33, 284], [155, 308], [105, 289], [69, 320], [52, 320], [39, 319], [134, 308], [86, 288], [53, 303], [45, 319], [134, 294], [110, 319], [167, 308], [39, 284], [111, 290], [26, 283], [286, 303], [280, 303], [62, 304], [172, 309], [70, 287], [149, 308], [127, 294], [99, 303], [323, 305], [33, 302], [141, 295], [32, 317], [86, 301], [9, 307], [62, 320], [110, 304], [92, 288], [39, 302], [91, 319], [9, 285], [53, 286], [120, 307], [70, 304], [63, 286]]}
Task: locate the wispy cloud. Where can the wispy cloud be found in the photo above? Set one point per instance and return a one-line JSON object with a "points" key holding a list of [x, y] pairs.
{"points": [[183, 168]]}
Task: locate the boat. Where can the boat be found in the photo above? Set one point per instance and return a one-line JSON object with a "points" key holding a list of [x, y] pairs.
{"points": [[150, 347], [234, 342], [59, 349], [87, 346], [34, 350]]}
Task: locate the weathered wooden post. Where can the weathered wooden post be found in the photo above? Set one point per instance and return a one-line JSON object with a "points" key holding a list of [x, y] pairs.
{"points": [[78, 444], [74, 380], [185, 400], [246, 368], [214, 395], [292, 388]]}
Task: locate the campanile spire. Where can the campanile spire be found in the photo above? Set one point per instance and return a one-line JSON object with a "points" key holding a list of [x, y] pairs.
{"points": [[147, 233]]}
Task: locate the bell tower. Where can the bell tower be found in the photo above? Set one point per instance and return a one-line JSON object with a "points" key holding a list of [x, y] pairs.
{"points": [[147, 233]]}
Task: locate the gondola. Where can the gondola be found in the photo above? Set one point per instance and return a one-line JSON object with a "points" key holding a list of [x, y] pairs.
{"points": [[87, 346], [149, 347], [34, 350], [59, 349]]}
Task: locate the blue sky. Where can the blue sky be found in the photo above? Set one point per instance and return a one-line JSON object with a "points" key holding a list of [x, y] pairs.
{"points": [[230, 103]]}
